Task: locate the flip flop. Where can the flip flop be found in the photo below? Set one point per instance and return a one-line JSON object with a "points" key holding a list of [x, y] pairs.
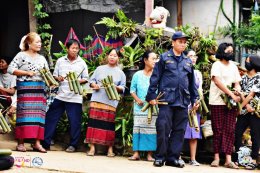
{"points": [[39, 149], [150, 160], [132, 158], [20, 148], [215, 163], [231, 165], [110, 154], [90, 153]]}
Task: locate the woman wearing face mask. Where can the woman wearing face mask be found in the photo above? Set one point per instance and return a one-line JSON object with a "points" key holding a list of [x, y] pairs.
{"points": [[101, 124], [223, 73], [250, 85]]}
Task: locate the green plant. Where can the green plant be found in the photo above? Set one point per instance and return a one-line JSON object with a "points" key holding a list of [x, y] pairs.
{"points": [[248, 36], [121, 26], [42, 27], [124, 122], [152, 39], [131, 55]]}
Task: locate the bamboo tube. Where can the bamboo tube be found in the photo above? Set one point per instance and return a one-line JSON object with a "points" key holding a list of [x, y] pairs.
{"points": [[70, 82], [80, 90], [146, 106], [44, 77], [195, 121], [73, 83], [149, 115], [113, 87], [110, 90], [204, 106], [154, 110], [190, 119], [106, 89], [3, 125], [50, 77]]}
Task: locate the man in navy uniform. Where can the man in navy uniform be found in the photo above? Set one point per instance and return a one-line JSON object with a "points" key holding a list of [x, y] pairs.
{"points": [[173, 75]]}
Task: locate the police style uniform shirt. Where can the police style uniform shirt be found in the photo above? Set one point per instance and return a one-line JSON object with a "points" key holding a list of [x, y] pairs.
{"points": [[173, 76]]}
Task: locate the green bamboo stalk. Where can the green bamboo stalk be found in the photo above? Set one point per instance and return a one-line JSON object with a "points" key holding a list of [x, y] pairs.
{"points": [[149, 115], [44, 77], [106, 89], [77, 83], [146, 106], [154, 110], [70, 82], [204, 106], [3, 125], [73, 83], [50, 78], [113, 87], [190, 118], [110, 90], [195, 121]]}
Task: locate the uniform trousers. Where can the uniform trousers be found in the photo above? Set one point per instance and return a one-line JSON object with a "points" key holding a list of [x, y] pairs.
{"points": [[170, 126]]}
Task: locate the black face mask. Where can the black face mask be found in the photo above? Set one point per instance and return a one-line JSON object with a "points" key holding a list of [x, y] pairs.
{"points": [[248, 66], [228, 56]]}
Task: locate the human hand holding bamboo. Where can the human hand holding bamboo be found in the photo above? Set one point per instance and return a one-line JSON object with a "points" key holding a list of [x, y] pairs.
{"points": [[30, 73]]}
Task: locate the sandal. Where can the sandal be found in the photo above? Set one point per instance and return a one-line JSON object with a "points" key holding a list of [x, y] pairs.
{"points": [[251, 166], [134, 158], [215, 163], [39, 149], [90, 153], [21, 148], [150, 159], [231, 165], [110, 154]]}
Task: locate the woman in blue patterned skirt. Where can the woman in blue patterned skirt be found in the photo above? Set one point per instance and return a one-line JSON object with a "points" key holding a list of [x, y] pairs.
{"points": [[144, 134]]}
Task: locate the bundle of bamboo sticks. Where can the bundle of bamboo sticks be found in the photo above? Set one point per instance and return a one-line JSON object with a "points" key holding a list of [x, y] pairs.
{"points": [[110, 88], [48, 78], [3, 124], [229, 101], [153, 109], [203, 105], [193, 119], [74, 84]]}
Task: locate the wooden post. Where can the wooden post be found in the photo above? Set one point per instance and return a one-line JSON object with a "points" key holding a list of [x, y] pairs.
{"points": [[149, 5], [32, 19], [179, 13]]}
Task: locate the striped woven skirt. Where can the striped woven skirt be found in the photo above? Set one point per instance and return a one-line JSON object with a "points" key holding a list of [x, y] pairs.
{"points": [[31, 107], [101, 125]]}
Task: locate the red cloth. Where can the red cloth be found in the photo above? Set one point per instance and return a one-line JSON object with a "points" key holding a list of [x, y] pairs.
{"points": [[223, 126], [101, 127], [72, 35]]}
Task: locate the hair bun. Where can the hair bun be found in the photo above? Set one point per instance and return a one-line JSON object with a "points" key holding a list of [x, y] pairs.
{"points": [[22, 45]]}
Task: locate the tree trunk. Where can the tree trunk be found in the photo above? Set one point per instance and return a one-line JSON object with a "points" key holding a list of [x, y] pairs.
{"points": [[32, 19]]}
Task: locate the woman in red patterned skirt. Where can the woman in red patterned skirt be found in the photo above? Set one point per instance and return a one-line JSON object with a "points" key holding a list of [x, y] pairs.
{"points": [[101, 125]]}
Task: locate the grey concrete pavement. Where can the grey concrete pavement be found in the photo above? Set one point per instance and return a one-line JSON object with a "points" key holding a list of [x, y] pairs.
{"points": [[60, 161]]}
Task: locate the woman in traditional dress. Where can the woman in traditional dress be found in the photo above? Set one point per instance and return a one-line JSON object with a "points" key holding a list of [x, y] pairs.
{"points": [[31, 100], [101, 125], [144, 134], [191, 132]]}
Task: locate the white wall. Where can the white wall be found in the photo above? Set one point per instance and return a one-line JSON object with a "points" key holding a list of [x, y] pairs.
{"points": [[201, 13]]}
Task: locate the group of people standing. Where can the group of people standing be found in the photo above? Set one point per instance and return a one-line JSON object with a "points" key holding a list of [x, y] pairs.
{"points": [[172, 75]]}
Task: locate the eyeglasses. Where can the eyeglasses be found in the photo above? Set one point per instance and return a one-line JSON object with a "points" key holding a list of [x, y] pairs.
{"points": [[195, 56]]}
